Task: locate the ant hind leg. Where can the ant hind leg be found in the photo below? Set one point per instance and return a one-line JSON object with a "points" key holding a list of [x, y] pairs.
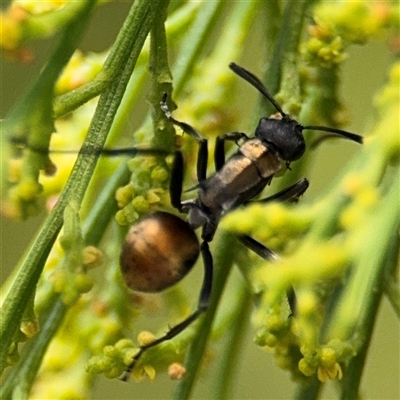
{"points": [[291, 194], [202, 306]]}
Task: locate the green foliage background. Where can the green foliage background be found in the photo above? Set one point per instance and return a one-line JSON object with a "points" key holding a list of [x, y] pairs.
{"points": [[255, 376]]}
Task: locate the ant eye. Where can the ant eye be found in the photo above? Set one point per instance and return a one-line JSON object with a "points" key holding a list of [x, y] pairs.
{"points": [[158, 251]]}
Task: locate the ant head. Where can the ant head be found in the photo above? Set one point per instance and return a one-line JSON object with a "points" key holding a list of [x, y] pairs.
{"points": [[283, 135]]}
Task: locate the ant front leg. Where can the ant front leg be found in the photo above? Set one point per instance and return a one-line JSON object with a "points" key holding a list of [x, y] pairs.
{"points": [[202, 155], [291, 194]]}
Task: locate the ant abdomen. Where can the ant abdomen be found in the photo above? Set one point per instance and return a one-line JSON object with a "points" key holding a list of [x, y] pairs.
{"points": [[158, 251]]}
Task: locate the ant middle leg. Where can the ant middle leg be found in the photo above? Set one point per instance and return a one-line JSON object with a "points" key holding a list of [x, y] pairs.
{"points": [[219, 152]]}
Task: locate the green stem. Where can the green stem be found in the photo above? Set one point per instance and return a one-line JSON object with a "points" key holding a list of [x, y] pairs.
{"points": [[161, 82], [309, 391], [290, 85], [33, 115], [282, 75], [111, 68], [286, 46], [45, 24], [99, 216], [135, 34], [132, 95], [356, 305], [353, 309], [30, 123], [384, 257], [20, 380], [70, 101], [25, 283], [196, 39], [272, 14], [392, 291], [237, 334], [283, 57]]}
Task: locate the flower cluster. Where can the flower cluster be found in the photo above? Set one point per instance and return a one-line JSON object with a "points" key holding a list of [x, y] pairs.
{"points": [[327, 254], [339, 24]]}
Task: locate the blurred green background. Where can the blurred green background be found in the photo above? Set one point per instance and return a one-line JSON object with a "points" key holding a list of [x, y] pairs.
{"points": [[257, 376]]}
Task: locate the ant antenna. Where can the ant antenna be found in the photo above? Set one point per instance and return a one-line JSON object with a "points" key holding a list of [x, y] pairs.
{"points": [[348, 135], [256, 83], [115, 152]]}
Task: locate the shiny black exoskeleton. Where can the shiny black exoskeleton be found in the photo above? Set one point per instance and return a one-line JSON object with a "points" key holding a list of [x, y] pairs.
{"points": [[237, 181]]}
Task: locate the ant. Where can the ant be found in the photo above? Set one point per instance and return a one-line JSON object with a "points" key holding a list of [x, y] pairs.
{"points": [[161, 248]]}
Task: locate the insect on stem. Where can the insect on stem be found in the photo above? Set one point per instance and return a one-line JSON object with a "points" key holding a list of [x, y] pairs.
{"points": [[154, 256]]}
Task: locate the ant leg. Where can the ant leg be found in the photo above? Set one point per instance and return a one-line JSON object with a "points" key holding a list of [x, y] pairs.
{"points": [[219, 153], [258, 248], [267, 254], [292, 193], [176, 181], [202, 155], [202, 306]]}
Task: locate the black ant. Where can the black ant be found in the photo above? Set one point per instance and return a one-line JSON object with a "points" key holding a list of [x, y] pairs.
{"points": [[161, 248]]}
